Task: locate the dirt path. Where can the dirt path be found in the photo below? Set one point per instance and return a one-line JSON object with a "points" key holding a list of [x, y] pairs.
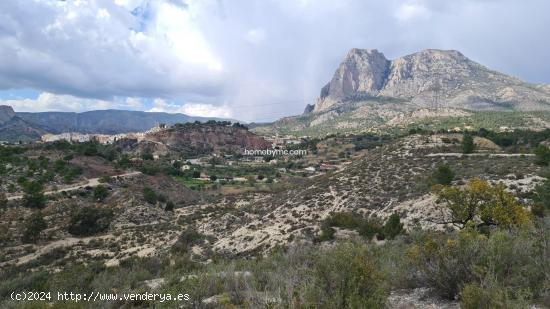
{"points": [[92, 182], [490, 155]]}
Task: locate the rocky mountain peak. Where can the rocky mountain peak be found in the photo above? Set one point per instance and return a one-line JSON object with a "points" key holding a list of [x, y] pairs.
{"points": [[428, 78], [6, 113], [362, 71]]}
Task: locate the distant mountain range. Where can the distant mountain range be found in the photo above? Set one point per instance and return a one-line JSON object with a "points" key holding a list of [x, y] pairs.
{"points": [[368, 91], [30, 126]]}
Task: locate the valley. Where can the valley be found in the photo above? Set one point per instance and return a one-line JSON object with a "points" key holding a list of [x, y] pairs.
{"points": [[418, 182]]}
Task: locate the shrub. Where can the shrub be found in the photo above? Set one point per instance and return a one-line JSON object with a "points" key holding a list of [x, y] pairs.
{"points": [[446, 264], [33, 226], [370, 228], [105, 179], [542, 195], [468, 143], [327, 233], [393, 227], [33, 196], [169, 206], [492, 205], [542, 155], [347, 277], [149, 195], [3, 200], [187, 239], [475, 296], [346, 220], [147, 156], [443, 175], [100, 192], [89, 221]]}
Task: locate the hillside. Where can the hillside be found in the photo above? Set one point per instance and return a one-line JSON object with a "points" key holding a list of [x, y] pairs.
{"points": [[192, 139], [14, 129], [27, 127], [369, 91]]}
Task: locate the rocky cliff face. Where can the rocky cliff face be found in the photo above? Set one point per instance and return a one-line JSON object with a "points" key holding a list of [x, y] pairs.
{"points": [[430, 78], [363, 72], [6, 114], [193, 139], [14, 129]]}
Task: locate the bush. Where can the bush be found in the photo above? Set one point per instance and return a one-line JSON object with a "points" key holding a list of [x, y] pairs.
{"points": [[149, 195], [89, 221], [542, 195], [367, 228], [346, 220], [3, 200], [100, 192], [542, 155], [327, 233], [370, 228], [475, 296], [33, 196], [393, 227], [347, 277], [33, 226], [105, 179], [446, 264], [187, 239], [443, 175], [468, 143], [169, 206], [479, 201]]}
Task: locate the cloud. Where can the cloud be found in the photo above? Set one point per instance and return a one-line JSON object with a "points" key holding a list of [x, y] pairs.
{"points": [[271, 56], [256, 36], [54, 102], [192, 109], [409, 11], [100, 49]]}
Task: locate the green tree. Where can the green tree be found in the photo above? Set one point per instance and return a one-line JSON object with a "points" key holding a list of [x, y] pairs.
{"points": [[33, 196], [393, 227], [169, 206], [3, 200], [482, 204], [89, 220], [100, 192], [467, 143], [33, 226], [443, 175], [149, 195], [542, 198], [542, 155]]}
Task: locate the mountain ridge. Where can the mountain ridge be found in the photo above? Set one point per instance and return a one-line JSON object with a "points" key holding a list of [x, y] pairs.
{"points": [[436, 89], [427, 78], [111, 121]]}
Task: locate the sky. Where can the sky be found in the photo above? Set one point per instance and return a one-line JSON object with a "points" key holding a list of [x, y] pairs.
{"points": [[247, 60]]}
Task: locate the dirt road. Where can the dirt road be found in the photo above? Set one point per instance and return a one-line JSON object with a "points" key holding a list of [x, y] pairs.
{"points": [[92, 182]]}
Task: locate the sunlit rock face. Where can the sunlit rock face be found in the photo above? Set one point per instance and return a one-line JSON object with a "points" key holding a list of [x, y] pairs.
{"points": [[429, 78]]}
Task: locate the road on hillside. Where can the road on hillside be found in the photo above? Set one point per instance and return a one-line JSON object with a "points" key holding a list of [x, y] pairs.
{"points": [[92, 182]]}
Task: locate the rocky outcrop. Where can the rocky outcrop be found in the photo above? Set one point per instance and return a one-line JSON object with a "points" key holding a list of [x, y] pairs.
{"points": [[6, 114], [14, 129], [195, 139], [430, 78]]}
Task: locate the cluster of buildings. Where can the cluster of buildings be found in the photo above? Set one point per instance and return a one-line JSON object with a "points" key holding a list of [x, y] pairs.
{"points": [[282, 141], [74, 137]]}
